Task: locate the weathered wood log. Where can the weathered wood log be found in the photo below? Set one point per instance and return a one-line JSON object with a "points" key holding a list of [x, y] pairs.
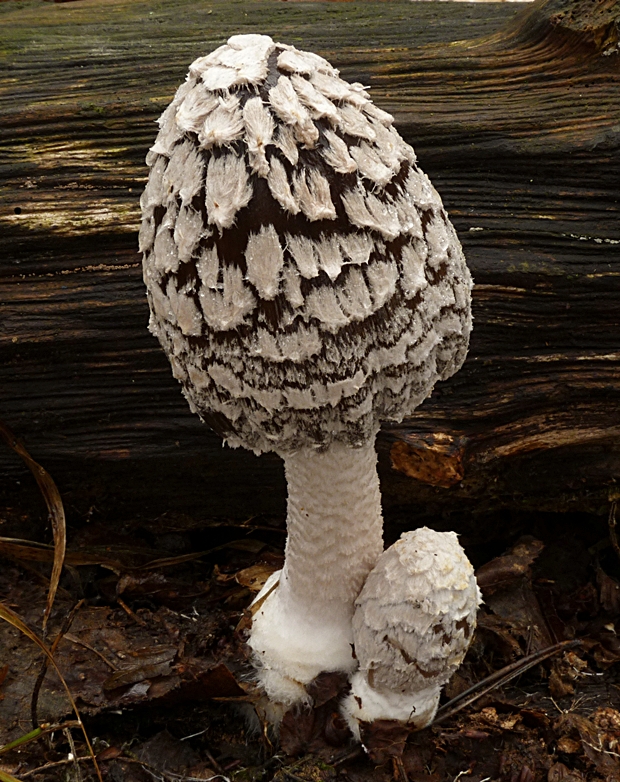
{"points": [[518, 128]]}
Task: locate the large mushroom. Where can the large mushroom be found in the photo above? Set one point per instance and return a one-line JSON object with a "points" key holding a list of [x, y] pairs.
{"points": [[306, 284]]}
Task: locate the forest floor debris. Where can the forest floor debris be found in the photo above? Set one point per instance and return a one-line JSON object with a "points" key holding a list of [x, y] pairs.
{"points": [[148, 632]]}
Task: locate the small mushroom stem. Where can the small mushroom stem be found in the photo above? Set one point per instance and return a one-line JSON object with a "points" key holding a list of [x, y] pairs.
{"points": [[334, 540]]}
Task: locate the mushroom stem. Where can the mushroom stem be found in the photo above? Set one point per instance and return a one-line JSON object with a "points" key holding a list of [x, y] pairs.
{"points": [[335, 527], [334, 540]]}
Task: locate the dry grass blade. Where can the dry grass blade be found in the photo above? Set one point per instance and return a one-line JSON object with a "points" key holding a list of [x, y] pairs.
{"points": [[29, 550], [6, 777], [35, 734], [613, 535], [66, 626], [55, 508], [13, 619], [499, 678], [54, 764], [33, 551]]}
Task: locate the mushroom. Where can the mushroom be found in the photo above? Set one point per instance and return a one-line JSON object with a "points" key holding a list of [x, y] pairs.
{"points": [[413, 623], [306, 284]]}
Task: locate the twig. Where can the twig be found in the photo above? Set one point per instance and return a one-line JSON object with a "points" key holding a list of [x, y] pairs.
{"points": [[214, 764], [498, 679], [398, 770], [154, 772], [54, 764], [73, 756], [611, 523], [352, 754], [167, 774], [130, 613]]}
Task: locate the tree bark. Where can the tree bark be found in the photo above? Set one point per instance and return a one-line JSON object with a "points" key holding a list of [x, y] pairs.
{"points": [[517, 126]]}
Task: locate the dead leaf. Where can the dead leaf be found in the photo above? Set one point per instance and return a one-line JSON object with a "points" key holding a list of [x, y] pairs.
{"points": [[564, 673], [138, 674], [153, 661], [568, 745], [298, 729], [16, 621], [560, 773], [254, 577], [165, 753], [498, 634], [489, 715], [327, 686], [593, 743], [202, 772], [384, 739], [210, 681], [526, 775], [605, 648], [507, 588], [510, 567], [560, 685], [534, 718], [504, 722], [158, 587], [256, 606], [319, 728], [582, 602], [510, 722], [607, 719], [609, 591]]}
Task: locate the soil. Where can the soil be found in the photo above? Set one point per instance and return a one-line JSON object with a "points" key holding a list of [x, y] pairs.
{"points": [[148, 631]]}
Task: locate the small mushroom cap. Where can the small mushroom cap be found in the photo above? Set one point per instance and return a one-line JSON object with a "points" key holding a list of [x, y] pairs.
{"points": [[303, 276], [416, 613]]}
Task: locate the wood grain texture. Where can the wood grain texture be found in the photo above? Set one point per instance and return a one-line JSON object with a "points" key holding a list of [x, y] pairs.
{"points": [[518, 127]]}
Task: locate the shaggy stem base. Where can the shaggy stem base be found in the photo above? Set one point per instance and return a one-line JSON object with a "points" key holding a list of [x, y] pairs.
{"points": [[334, 522]]}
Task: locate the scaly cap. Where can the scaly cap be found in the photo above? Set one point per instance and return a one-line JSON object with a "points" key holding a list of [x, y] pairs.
{"points": [[303, 276]]}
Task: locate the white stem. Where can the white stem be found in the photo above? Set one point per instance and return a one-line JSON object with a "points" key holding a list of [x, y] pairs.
{"points": [[334, 539], [335, 529]]}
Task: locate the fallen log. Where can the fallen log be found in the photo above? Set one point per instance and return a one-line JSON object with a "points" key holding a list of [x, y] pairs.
{"points": [[514, 112]]}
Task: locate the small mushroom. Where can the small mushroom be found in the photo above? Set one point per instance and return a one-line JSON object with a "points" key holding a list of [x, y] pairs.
{"points": [[306, 284], [413, 622]]}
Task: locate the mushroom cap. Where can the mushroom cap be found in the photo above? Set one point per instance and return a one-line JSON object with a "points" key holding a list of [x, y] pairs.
{"points": [[416, 613], [302, 274]]}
